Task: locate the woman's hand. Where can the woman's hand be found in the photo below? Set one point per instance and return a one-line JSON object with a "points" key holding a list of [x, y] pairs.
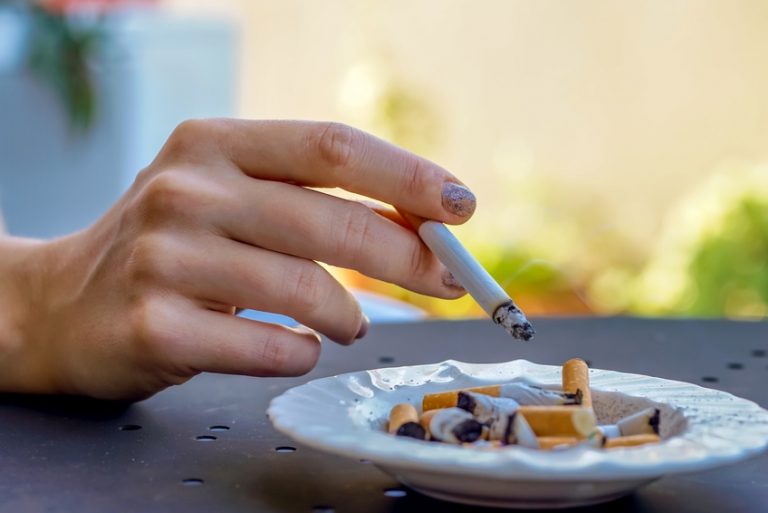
{"points": [[221, 219]]}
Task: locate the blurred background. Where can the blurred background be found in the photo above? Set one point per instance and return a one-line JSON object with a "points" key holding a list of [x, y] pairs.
{"points": [[618, 149]]}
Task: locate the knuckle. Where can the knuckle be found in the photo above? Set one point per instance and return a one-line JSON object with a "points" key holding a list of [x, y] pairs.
{"points": [[151, 334], [418, 261], [191, 139], [335, 143], [306, 292], [356, 232], [273, 354], [413, 180], [147, 259], [166, 195]]}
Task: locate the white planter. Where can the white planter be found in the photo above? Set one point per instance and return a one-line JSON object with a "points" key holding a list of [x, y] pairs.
{"points": [[156, 72]]}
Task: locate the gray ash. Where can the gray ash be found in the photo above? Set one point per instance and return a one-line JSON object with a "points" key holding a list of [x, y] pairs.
{"points": [[512, 319]]}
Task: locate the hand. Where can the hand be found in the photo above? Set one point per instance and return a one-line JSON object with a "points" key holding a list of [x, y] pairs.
{"points": [[224, 218]]}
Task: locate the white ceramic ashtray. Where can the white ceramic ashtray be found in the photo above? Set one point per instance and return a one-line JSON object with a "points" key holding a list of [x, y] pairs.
{"points": [[347, 415]]}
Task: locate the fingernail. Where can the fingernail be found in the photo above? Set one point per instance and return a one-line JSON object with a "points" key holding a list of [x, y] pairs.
{"points": [[450, 281], [458, 200], [309, 331], [363, 327]]}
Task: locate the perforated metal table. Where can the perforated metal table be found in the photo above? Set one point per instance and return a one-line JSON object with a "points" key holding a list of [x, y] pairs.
{"points": [[207, 445]]}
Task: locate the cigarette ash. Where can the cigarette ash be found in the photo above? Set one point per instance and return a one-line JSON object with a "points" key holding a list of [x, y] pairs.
{"points": [[512, 319]]}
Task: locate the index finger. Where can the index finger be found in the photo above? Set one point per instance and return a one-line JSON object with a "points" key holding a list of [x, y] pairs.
{"points": [[317, 154]]}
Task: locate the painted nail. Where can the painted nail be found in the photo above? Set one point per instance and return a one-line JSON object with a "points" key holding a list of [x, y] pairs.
{"points": [[363, 327], [458, 200], [450, 281]]}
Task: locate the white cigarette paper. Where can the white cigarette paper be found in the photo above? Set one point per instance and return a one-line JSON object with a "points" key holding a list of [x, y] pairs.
{"points": [[475, 279]]}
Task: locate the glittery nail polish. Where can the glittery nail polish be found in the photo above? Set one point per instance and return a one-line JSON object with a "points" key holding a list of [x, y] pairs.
{"points": [[458, 200]]}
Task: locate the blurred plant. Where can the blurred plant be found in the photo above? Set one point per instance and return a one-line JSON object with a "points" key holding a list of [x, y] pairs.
{"points": [[64, 36], [713, 257], [58, 55], [376, 100]]}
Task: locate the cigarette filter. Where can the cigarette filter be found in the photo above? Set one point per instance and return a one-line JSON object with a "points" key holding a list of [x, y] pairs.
{"points": [[449, 399], [576, 380], [404, 421], [631, 441], [452, 425], [485, 408], [575, 421]]}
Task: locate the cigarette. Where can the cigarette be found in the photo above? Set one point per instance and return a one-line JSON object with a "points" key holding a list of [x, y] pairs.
{"points": [[486, 409], [452, 425], [519, 432], [631, 441], [475, 279], [576, 380], [645, 422], [575, 421], [520, 392], [404, 421]]}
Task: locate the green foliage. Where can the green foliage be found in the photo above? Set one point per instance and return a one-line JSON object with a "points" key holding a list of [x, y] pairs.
{"points": [[58, 55], [728, 271]]}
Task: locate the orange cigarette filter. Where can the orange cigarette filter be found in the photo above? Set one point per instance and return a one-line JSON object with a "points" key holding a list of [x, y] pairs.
{"points": [[401, 414], [450, 399], [550, 442], [576, 421], [631, 441], [576, 380]]}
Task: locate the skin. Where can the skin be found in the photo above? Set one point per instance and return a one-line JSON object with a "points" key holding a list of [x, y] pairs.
{"points": [[223, 218]]}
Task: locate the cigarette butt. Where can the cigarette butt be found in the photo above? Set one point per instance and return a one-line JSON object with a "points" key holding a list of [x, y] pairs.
{"points": [[576, 380], [631, 441], [551, 442], [451, 425], [645, 422], [575, 421], [524, 393], [450, 399], [486, 408], [401, 414], [519, 432]]}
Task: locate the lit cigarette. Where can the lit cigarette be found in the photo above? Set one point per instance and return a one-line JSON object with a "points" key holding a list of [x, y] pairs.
{"points": [[520, 392], [644, 422], [560, 420], [404, 421], [486, 409], [576, 380], [475, 279], [630, 441], [452, 425]]}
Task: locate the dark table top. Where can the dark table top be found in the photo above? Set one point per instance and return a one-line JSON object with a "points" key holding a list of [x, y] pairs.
{"points": [[75, 455]]}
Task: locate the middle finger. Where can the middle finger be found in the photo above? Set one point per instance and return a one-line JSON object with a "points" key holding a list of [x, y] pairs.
{"points": [[313, 225]]}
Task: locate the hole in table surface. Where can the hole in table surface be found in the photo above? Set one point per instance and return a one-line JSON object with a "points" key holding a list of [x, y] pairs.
{"points": [[219, 428], [395, 492], [759, 353], [323, 509], [735, 366], [192, 481], [386, 359], [710, 379], [205, 438], [129, 427], [285, 448]]}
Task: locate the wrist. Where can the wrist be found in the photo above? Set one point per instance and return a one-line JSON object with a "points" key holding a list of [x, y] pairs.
{"points": [[23, 274]]}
